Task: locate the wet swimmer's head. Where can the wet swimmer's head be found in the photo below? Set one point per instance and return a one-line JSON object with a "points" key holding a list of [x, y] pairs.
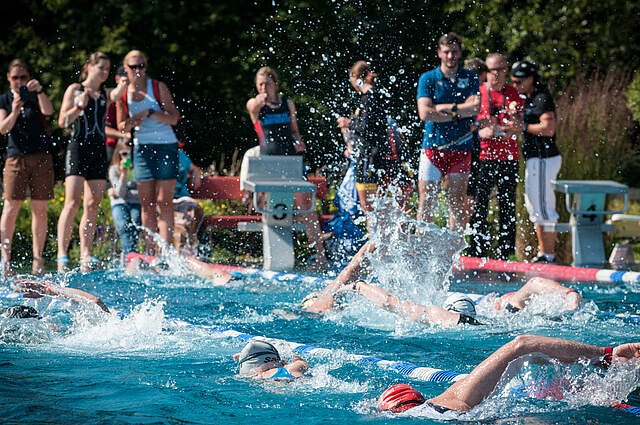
{"points": [[398, 398], [20, 312], [309, 300], [257, 356], [460, 303]]}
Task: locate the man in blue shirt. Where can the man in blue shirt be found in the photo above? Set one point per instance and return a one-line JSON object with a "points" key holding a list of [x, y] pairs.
{"points": [[447, 100]]}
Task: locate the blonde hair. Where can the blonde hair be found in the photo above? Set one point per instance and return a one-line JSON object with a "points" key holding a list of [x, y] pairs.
{"points": [[268, 72], [132, 54], [93, 60], [18, 63], [362, 70]]}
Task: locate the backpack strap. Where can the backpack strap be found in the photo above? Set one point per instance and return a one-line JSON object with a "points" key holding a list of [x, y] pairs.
{"points": [[155, 85], [156, 93]]}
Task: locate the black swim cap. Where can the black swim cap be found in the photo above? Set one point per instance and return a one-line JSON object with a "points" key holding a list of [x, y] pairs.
{"points": [[20, 312]]}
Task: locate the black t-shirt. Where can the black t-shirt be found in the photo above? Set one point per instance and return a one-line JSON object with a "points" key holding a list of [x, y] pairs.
{"points": [[370, 123], [535, 146], [28, 135]]}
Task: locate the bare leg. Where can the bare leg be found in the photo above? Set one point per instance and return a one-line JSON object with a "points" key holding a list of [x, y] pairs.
{"points": [[74, 186], [417, 312], [149, 215], [10, 212], [427, 198], [302, 201], [540, 285], [546, 240], [459, 212], [39, 232], [164, 196], [471, 390], [93, 192]]}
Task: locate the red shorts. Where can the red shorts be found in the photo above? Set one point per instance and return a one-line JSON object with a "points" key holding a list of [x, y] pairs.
{"points": [[450, 162]]}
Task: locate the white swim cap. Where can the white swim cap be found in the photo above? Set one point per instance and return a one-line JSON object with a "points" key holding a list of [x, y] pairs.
{"points": [[460, 303], [309, 300], [255, 354]]}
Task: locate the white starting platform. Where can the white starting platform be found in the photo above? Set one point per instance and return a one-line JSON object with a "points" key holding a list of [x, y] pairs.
{"points": [[278, 178], [585, 201]]}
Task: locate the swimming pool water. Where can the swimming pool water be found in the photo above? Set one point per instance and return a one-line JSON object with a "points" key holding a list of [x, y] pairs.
{"points": [[140, 369]]}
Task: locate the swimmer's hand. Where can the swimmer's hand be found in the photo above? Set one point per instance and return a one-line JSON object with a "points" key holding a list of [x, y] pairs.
{"points": [[31, 288], [626, 352]]}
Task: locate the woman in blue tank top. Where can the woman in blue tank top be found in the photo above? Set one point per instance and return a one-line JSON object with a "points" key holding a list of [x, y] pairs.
{"points": [[83, 112], [155, 156]]}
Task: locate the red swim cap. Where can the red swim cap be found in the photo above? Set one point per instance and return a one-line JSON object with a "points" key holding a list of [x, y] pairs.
{"points": [[399, 398]]}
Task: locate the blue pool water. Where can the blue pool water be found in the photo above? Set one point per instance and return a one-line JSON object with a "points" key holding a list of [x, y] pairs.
{"points": [[140, 369]]}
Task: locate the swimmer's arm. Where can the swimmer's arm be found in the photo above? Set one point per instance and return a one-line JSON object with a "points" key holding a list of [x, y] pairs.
{"points": [[76, 294], [298, 366], [207, 271]]}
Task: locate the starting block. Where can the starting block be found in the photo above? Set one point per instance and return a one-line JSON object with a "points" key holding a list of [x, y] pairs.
{"points": [[585, 201], [278, 178]]}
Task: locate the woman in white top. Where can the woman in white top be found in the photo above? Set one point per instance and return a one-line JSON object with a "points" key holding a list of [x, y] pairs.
{"points": [[148, 110]]}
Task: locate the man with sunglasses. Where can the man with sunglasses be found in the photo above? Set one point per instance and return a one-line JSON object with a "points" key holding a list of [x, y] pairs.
{"points": [[499, 118], [29, 163], [541, 154]]}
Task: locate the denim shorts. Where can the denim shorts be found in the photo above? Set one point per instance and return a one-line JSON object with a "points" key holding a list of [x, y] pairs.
{"points": [[155, 162]]}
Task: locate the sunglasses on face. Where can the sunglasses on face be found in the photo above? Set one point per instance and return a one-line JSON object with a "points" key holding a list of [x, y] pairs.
{"points": [[19, 77], [516, 81], [125, 153], [136, 66]]}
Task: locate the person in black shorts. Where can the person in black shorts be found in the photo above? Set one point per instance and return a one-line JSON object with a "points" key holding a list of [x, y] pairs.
{"points": [[375, 158], [83, 111], [29, 162]]}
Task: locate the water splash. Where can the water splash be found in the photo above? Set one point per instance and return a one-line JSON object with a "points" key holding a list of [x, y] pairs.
{"points": [[412, 258]]}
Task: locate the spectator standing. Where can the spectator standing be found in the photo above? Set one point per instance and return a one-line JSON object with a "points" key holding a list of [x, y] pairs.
{"points": [[111, 121], [500, 114], [188, 214], [447, 100], [147, 107], [125, 204], [275, 121], [377, 163], [29, 162], [83, 109], [541, 153]]}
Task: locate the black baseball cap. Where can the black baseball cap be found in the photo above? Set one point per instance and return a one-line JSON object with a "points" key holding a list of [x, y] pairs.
{"points": [[121, 72], [523, 69]]}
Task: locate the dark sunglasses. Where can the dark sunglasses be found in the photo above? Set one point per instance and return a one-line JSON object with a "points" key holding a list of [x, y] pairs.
{"points": [[19, 77], [516, 81], [138, 66], [125, 153]]}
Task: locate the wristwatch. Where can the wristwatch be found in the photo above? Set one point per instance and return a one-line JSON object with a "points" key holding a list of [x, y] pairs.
{"points": [[454, 111]]}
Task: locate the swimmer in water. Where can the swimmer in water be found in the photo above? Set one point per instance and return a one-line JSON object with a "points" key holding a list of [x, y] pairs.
{"points": [[457, 309], [207, 271], [261, 360], [471, 390], [37, 289]]}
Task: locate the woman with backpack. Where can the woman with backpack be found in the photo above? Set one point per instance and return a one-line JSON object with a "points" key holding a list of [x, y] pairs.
{"points": [[147, 109]]}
